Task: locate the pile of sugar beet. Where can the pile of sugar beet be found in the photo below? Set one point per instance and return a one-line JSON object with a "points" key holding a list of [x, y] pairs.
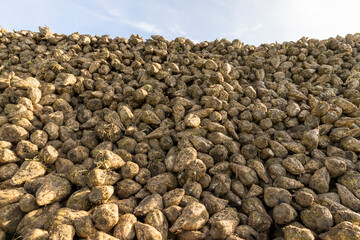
{"points": [[121, 138]]}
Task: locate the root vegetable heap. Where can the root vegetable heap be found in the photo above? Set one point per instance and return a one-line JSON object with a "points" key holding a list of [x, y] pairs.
{"points": [[121, 138]]}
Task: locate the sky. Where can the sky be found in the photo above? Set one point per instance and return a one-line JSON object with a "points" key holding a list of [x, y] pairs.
{"points": [[251, 21]]}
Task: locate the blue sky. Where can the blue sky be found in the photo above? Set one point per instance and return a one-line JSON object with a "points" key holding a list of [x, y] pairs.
{"points": [[251, 21]]}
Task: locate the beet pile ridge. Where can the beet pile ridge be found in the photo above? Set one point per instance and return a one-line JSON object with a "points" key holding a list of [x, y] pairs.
{"points": [[120, 138]]}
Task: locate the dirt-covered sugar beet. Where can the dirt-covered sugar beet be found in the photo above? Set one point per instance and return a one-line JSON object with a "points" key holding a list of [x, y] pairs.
{"points": [[120, 138]]}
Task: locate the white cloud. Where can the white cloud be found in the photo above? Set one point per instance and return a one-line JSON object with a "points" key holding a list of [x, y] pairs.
{"points": [[176, 29], [255, 27], [241, 30], [120, 17], [143, 26]]}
